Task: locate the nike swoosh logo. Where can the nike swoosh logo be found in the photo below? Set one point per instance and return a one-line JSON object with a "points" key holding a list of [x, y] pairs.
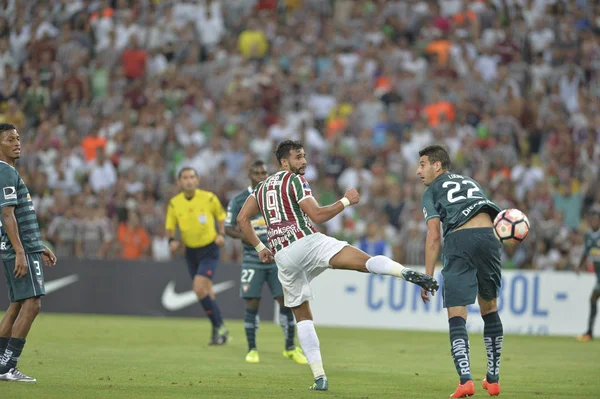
{"points": [[174, 301], [56, 285]]}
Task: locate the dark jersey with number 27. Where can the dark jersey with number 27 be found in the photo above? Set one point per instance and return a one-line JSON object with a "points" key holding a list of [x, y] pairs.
{"points": [[455, 199]]}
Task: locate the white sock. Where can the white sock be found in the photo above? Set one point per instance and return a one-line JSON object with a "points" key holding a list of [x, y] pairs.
{"points": [[383, 265], [307, 336]]}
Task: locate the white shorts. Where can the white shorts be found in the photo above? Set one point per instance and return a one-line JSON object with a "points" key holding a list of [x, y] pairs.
{"points": [[301, 262]]}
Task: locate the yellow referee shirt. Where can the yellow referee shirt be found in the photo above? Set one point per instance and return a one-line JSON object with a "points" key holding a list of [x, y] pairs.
{"points": [[195, 217]]}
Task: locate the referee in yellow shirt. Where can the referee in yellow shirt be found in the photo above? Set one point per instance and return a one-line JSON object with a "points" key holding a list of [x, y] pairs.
{"points": [[197, 213]]}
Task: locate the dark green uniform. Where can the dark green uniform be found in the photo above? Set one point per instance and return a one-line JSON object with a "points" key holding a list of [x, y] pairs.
{"points": [[471, 257], [13, 192], [254, 272], [592, 248]]}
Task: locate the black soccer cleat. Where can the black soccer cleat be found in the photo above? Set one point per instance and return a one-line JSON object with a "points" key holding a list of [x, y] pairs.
{"points": [[220, 336], [421, 279]]}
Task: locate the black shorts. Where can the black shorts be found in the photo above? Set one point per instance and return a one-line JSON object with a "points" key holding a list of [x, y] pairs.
{"points": [[472, 265], [203, 261]]}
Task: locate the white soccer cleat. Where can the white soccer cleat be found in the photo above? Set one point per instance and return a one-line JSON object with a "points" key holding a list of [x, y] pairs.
{"points": [[15, 375]]}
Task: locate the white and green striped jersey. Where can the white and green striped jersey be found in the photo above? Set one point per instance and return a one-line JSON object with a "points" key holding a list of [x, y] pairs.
{"points": [[279, 197]]}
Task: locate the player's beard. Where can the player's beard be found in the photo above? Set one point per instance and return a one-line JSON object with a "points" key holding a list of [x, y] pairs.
{"points": [[299, 171]]}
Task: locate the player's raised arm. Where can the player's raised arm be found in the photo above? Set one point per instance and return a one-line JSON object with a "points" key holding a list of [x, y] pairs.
{"points": [[302, 193], [321, 214], [244, 219]]}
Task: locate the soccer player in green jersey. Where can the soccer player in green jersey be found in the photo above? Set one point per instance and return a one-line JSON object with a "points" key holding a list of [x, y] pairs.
{"points": [[471, 261], [255, 274], [592, 249], [22, 254]]}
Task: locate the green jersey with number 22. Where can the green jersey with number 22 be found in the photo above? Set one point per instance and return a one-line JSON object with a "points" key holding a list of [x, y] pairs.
{"points": [[455, 199]]}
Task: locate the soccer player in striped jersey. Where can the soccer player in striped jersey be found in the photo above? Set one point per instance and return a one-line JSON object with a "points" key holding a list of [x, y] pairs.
{"points": [[301, 253], [23, 256]]}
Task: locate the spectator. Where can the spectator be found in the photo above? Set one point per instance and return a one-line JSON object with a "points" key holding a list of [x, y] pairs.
{"points": [[134, 240]]}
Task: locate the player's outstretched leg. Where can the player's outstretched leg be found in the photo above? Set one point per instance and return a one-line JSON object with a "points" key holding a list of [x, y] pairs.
{"points": [[352, 258], [309, 341], [589, 334], [493, 336]]}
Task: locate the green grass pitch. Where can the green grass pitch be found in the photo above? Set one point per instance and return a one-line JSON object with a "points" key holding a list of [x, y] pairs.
{"points": [[77, 356]]}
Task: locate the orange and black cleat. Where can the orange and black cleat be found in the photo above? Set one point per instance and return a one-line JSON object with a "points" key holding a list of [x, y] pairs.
{"points": [[584, 338], [493, 388], [464, 390]]}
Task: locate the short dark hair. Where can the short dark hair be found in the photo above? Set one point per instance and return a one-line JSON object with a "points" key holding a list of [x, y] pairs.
{"points": [[6, 127], [437, 153], [256, 164], [185, 170], [284, 148]]}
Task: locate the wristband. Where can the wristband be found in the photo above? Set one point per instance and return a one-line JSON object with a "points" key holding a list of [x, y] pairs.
{"points": [[260, 247], [345, 201]]}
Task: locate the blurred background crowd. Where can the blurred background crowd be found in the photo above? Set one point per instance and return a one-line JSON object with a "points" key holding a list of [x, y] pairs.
{"points": [[112, 98]]}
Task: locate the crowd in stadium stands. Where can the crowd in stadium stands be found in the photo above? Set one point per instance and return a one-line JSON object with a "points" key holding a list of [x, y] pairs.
{"points": [[112, 98]]}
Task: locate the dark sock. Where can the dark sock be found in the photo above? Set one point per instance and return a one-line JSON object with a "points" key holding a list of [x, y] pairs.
{"points": [[10, 357], [209, 308], [217, 313], [250, 326], [3, 343], [459, 346], [592, 320], [493, 335], [286, 320]]}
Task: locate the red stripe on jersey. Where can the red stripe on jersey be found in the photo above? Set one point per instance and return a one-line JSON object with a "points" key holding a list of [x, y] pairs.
{"points": [[285, 198]]}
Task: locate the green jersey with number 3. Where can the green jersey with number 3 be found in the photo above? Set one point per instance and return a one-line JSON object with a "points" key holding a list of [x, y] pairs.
{"points": [[250, 256], [455, 199]]}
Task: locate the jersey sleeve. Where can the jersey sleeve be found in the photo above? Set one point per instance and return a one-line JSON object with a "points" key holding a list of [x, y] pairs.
{"points": [[428, 204], [255, 191], [171, 219], [300, 188], [233, 209], [218, 210], [9, 181]]}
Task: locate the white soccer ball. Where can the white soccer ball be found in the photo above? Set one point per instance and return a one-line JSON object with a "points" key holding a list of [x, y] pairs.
{"points": [[511, 226]]}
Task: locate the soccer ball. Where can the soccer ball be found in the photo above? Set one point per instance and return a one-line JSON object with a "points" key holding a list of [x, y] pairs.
{"points": [[511, 226]]}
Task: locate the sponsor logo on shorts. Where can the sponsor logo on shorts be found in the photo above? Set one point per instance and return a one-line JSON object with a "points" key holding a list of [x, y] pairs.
{"points": [[3, 246]]}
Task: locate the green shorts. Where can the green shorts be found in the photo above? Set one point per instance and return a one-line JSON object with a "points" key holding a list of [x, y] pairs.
{"points": [[30, 286], [472, 266], [253, 279]]}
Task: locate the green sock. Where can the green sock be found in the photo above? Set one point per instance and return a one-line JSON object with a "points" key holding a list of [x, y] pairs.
{"points": [[459, 345], [493, 335], [11, 355], [3, 343], [250, 326], [286, 320]]}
